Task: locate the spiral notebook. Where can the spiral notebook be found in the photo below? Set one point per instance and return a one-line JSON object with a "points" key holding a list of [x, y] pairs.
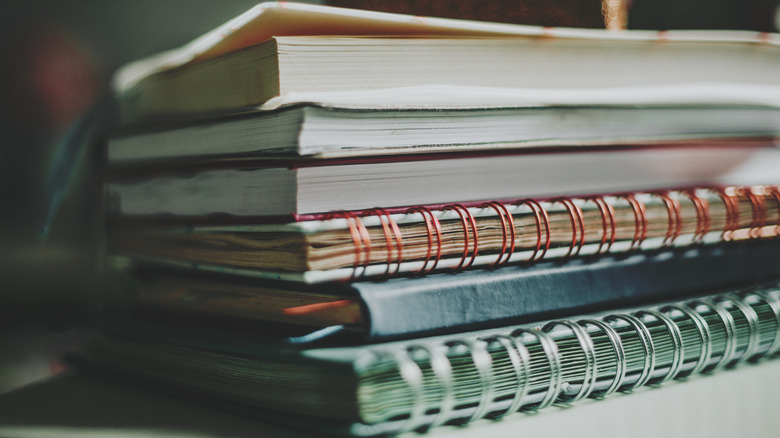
{"points": [[378, 242], [423, 383]]}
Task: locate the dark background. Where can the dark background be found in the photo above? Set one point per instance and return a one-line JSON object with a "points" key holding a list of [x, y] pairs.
{"points": [[58, 58]]}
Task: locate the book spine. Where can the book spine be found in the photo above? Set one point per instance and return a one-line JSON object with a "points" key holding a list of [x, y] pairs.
{"points": [[490, 375], [459, 236]]}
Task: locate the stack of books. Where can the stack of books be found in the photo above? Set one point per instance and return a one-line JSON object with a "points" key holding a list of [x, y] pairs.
{"points": [[386, 223]]}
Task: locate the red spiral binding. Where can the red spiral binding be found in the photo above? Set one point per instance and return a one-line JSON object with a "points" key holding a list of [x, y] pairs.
{"points": [[758, 208], [702, 215], [774, 191], [732, 212], [432, 226], [674, 224], [360, 239], [577, 219], [507, 231], [640, 219], [759, 198], [607, 222], [540, 214], [390, 230], [468, 220]]}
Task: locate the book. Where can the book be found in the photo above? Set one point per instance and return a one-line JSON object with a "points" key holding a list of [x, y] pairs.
{"points": [[421, 384], [279, 48], [712, 404], [446, 302], [462, 119], [281, 188], [378, 242]]}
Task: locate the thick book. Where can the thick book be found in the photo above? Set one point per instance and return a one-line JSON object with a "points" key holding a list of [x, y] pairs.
{"points": [[420, 384], [280, 48], [379, 243], [284, 187], [447, 119], [438, 303]]}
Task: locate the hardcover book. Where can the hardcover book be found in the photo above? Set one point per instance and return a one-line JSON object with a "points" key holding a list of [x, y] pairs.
{"points": [[450, 302], [279, 48]]}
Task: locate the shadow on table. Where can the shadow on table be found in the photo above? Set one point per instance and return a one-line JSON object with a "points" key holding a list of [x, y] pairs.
{"points": [[78, 405]]}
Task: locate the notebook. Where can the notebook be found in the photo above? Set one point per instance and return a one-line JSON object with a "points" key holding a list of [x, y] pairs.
{"points": [[378, 242], [420, 384], [713, 404]]}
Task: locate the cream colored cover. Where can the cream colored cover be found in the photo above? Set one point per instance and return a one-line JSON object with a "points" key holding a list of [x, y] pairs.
{"points": [[267, 20]]}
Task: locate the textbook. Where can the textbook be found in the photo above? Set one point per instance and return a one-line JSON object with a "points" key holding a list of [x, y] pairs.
{"points": [[379, 242], [447, 302], [279, 48], [419, 384], [280, 188]]}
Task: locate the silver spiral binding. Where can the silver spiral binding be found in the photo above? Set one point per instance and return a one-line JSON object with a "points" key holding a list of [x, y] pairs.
{"points": [[586, 343], [520, 368], [678, 351], [412, 375], [705, 347], [550, 349], [442, 370], [647, 344], [728, 325], [620, 356], [482, 363], [752, 319], [520, 358], [773, 305]]}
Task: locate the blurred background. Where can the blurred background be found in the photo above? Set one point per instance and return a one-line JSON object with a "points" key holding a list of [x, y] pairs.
{"points": [[58, 58]]}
